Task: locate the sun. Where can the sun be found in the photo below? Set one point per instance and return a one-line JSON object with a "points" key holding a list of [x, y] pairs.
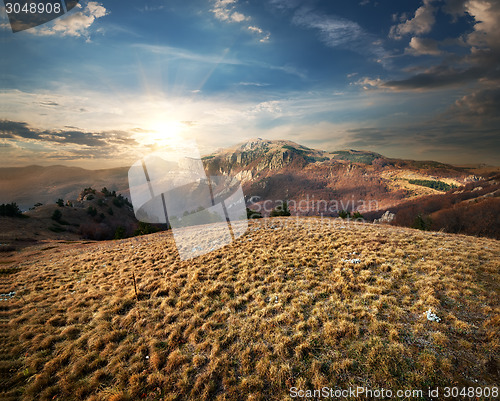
{"points": [[162, 133]]}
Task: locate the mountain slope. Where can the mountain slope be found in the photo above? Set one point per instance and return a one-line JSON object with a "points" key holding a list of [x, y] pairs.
{"points": [[355, 180], [473, 209], [94, 215], [295, 302]]}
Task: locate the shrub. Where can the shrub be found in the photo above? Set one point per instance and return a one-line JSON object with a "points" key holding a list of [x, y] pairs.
{"points": [[145, 228], [120, 200], [281, 210], [110, 211], [439, 185], [120, 232], [357, 215], [422, 223], [57, 229], [87, 192], [253, 214], [344, 214], [92, 211], [10, 210], [56, 215], [60, 202], [117, 202]]}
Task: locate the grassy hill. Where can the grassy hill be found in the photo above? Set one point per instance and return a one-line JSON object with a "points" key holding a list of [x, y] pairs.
{"points": [[302, 303], [94, 215]]}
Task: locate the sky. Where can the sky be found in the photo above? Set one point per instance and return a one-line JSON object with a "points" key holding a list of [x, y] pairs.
{"points": [[112, 81]]}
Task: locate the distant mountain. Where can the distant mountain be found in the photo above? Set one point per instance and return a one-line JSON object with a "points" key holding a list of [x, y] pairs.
{"points": [[36, 184], [321, 181]]}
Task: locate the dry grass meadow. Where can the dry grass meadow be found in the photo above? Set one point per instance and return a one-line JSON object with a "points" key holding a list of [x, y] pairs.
{"points": [[283, 306]]}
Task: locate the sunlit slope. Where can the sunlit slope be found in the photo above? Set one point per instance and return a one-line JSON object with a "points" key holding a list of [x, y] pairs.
{"points": [[293, 303]]}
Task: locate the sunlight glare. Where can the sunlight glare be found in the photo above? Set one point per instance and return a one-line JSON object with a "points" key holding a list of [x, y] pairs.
{"points": [[162, 133]]}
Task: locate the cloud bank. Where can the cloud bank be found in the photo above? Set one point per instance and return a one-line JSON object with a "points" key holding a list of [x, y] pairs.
{"points": [[76, 24]]}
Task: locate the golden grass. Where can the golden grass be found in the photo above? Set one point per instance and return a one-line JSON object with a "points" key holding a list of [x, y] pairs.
{"points": [[281, 307]]}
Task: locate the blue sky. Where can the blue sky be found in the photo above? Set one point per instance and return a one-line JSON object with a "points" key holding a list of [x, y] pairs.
{"points": [[113, 80]]}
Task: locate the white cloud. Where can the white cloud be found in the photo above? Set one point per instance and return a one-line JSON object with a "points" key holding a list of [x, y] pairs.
{"points": [[289, 69], [479, 67], [258, 84], [340, 32], [225, 10], [239, 17], [73, 24], [334, 30], [481, 103], [423, 46], [96, 9], [486, 32], [421, 23], [272, 107], [256, 30], [369, 83]]}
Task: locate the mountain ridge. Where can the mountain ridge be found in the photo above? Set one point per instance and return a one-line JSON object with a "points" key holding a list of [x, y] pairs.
{"points": [[284, 170], [271, 169]]}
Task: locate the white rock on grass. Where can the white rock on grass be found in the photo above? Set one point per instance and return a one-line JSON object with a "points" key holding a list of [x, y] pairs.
{"points": [[6, 297], [354, 261], [432, 316]]}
